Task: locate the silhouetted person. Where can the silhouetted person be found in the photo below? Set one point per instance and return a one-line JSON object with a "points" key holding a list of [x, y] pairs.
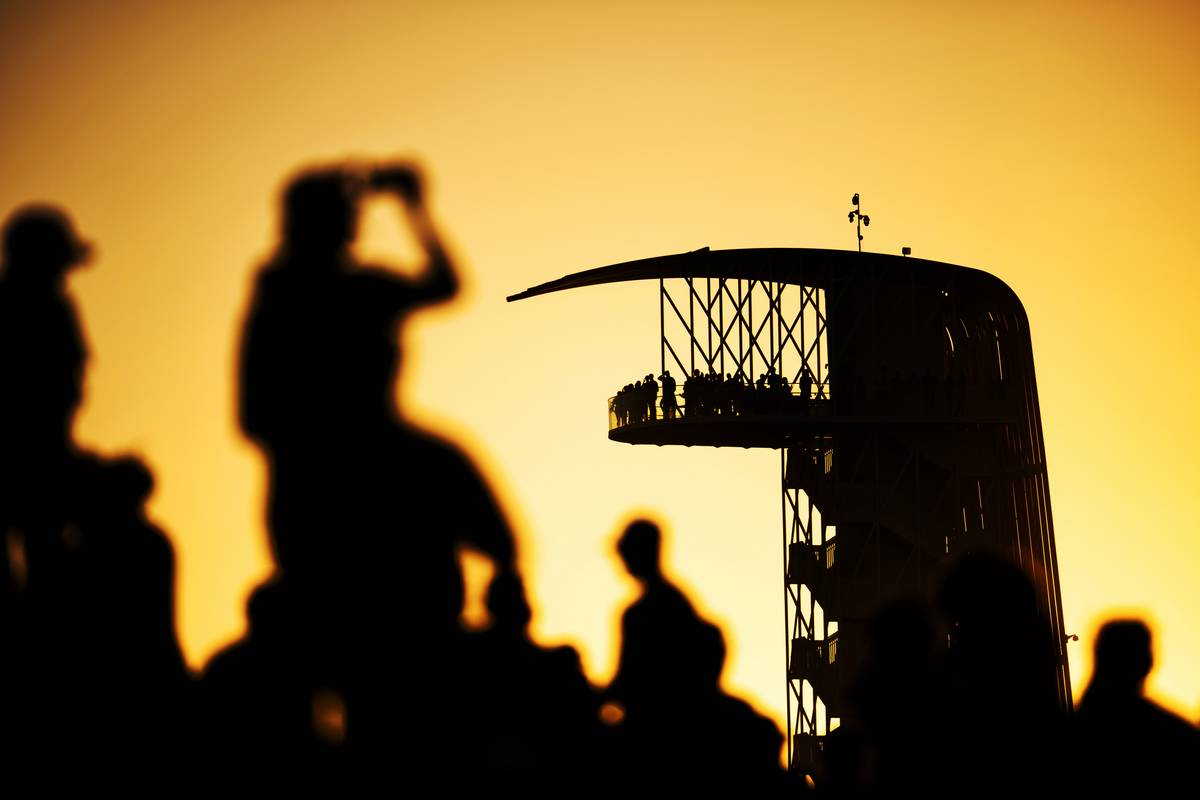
{"points": [[1002, 701], [657, 631], [650, 387], [543, 732], [669, 406], [760, 394], [680, 732], [731, 749], [1128, 744], [962, 706], [892, 742], [624, 405], [806, 383], [691, 394], [365, 513], [43, 347], [92, 672]]}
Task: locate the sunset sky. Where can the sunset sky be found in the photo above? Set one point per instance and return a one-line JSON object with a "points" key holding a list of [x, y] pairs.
{"points": [[1052, 144]]}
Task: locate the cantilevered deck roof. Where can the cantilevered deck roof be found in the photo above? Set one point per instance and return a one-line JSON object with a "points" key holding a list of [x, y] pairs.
{"points": [[804, 266]]}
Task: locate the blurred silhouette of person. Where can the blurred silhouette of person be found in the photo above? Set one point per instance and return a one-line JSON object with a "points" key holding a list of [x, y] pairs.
{"points": [[891, 742], [44, 351], [657, 630], [543, 729], [319, 363], [1001, 697], [984, 717], [1128, 744], [680, 732], [92, 671], [731, 749], [365, 513]]}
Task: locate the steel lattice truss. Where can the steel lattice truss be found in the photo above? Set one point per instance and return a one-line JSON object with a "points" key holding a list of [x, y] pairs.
{"points": [[742, 328]]}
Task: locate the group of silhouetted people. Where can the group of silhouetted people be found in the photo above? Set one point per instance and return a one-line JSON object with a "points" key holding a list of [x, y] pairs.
{"points": [[355, 673], [712, 394], [90, 668], [635, 402], [957, 695], [355, 670]]}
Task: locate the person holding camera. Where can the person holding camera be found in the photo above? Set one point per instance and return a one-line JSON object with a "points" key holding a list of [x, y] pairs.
{"points": [[363, 612]]}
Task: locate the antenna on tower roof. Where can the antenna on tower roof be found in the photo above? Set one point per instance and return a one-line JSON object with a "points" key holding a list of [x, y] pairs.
{"points": [[857, 216]]}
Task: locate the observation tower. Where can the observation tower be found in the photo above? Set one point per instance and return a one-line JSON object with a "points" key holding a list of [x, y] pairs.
{"points": [[900, 395]]}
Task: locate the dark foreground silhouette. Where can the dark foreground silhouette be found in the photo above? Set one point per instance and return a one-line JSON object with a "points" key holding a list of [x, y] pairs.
{"points": [[356, 674], [680, 732], [539, 728], [1127, 743], [91, 671], [354, 660], [956, 695]]}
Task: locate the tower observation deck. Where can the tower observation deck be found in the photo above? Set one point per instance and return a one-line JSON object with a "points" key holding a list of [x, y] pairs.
{"points": [[900, 394]]}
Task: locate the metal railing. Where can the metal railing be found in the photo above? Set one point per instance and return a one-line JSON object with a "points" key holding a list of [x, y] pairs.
{"points": [[898, 398], [724, 400]]}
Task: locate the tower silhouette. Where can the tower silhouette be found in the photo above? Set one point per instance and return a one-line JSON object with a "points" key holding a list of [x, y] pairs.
{"points": [[900, 394]]}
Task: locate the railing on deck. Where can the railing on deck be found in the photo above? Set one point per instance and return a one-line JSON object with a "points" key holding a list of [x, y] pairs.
{"points": [[727, 401], [924, 398]]}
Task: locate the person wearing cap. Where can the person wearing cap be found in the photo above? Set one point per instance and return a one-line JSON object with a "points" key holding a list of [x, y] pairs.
{"points": [[92, 668], [42, 350], [42, 356]]}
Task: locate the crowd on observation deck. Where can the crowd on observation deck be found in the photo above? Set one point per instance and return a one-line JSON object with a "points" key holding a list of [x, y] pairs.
{"points": [[713, 394]]}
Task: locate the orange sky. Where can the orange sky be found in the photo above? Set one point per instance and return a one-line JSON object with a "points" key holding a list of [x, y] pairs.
{"points": [[1051, 144]]}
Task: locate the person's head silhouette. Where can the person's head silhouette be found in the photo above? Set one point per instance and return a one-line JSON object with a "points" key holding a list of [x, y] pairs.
{"points": [[1123, 655], [41, 246], [319, 216], [639, 547]]}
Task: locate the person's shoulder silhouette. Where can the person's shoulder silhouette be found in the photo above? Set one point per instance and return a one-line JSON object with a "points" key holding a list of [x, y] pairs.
{"points": [[547, 709], [668, 682], [656, 629], [1127, 741]]}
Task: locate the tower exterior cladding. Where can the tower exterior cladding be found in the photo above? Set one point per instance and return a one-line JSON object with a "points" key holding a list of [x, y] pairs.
{"points": [[900, 394]]}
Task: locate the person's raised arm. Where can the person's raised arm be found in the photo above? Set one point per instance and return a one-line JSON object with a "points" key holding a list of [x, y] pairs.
{"points": [[437, 280]]}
